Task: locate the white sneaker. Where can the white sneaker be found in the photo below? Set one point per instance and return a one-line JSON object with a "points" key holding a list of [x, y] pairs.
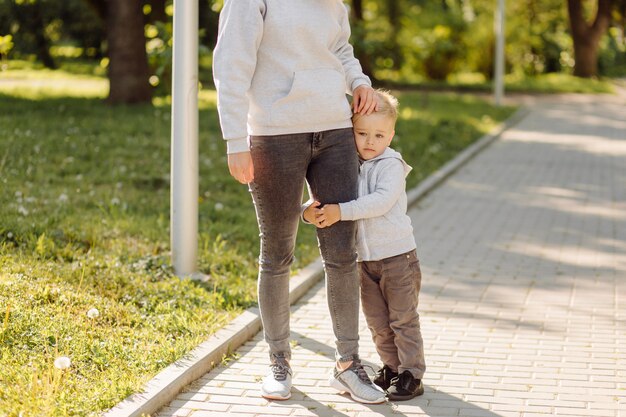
{"points": [[277, 384], [354, 380]]}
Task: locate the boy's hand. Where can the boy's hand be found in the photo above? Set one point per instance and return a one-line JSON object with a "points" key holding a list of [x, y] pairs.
{"points": [[311, 213], [330, 214]]}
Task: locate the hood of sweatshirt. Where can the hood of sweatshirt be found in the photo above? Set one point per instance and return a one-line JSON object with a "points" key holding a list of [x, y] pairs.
{"points": [[390, 153]]}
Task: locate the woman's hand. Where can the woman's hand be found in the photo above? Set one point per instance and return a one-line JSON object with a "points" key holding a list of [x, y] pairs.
{"points": [[241, 167], [363, 100]]}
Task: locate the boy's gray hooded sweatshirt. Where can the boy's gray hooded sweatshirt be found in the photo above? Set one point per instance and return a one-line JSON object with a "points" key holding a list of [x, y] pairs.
{"points": [[384, 229]]}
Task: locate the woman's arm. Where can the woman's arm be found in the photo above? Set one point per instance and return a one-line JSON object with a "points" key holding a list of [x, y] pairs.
{"points": [[234, 63], [344, 51]]}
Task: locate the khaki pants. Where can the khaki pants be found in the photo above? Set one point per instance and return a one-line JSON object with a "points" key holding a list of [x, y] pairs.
{"points": [[389, 294]]}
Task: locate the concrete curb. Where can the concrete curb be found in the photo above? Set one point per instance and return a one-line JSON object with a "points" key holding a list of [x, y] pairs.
{"points": [[164, 387]]}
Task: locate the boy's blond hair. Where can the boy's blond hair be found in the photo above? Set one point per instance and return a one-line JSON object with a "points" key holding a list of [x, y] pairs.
{"points": [[387, 105]]}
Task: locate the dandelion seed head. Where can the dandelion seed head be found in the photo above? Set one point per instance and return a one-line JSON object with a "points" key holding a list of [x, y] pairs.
{"points": [[22, 210], [93, 313], [63, 198], [219, 206], [62, 362], [115, 201]]}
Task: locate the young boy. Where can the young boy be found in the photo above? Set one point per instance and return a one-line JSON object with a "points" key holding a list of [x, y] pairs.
{"points": [[387, 261]]}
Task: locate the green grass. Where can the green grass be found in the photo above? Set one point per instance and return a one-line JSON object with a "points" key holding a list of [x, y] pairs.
{"points": [[84, 218], [559, 83], [542, 84]]}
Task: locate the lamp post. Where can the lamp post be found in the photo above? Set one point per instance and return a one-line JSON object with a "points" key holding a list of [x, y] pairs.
{"points": [[498, 79], [184, 152]]}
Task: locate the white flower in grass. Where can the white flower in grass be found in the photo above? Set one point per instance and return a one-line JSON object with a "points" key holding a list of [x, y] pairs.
{"points": [[62, 362], [115, 201], [63, 198], [22, 210], [93, 313], [219, 206]]}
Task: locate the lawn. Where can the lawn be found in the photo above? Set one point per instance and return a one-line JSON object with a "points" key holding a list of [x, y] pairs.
{"points": [[84, 226], [513, 83]]}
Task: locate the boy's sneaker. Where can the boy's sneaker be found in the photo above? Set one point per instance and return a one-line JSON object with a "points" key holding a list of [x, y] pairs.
{"points": [[384, 377], [354, 380], [277, 384], [405, 387]]}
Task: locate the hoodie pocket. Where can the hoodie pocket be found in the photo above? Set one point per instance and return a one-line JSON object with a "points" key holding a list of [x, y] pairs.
{"points": [[316, 96]]}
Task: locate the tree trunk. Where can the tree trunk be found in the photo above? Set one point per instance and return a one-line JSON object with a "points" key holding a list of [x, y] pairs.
{"points": [[128, 61], [393, 10], [587, 37], [358, 35], [209, 20], [99, 7], [34, 23], [586, 58], [158, 13]]}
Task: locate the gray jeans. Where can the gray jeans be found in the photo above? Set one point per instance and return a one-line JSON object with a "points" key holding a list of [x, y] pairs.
{"points": [[328, 162]]}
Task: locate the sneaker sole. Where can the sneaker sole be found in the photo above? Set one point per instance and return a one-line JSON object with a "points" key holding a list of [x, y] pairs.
{"points": [[336, 384], [404, 397], [275, 397]]}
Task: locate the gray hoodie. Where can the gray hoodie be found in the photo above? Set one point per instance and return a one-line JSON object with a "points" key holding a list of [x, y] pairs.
{"points": [[383, 227], [283, 66]]}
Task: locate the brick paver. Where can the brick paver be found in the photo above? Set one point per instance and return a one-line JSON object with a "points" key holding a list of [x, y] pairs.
{"points": [[523, 304]]}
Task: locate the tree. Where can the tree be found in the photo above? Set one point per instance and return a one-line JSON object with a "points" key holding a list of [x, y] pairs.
{"points": [[31, 18], [128, 61], [587, 36], [358, 37]]}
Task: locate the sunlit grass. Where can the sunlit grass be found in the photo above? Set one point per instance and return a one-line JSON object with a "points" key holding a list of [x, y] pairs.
{"points": [[84, 224], [23, 80], [558, 83], [471, 81]]}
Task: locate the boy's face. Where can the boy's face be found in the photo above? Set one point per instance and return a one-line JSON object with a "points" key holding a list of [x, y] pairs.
{"points": [[372, 134]]}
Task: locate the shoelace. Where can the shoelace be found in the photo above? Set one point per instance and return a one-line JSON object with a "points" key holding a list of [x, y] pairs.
{"points": [[382, 372], [280, 371], [402, 381], [358, 368], [280, 368]]}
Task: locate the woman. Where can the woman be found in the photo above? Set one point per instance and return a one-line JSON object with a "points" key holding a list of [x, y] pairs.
{"points": [[282, 69]]}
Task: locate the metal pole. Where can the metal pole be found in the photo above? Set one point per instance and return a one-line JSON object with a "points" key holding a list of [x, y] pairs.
{"points": [[498, 80], [184, 163]]}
